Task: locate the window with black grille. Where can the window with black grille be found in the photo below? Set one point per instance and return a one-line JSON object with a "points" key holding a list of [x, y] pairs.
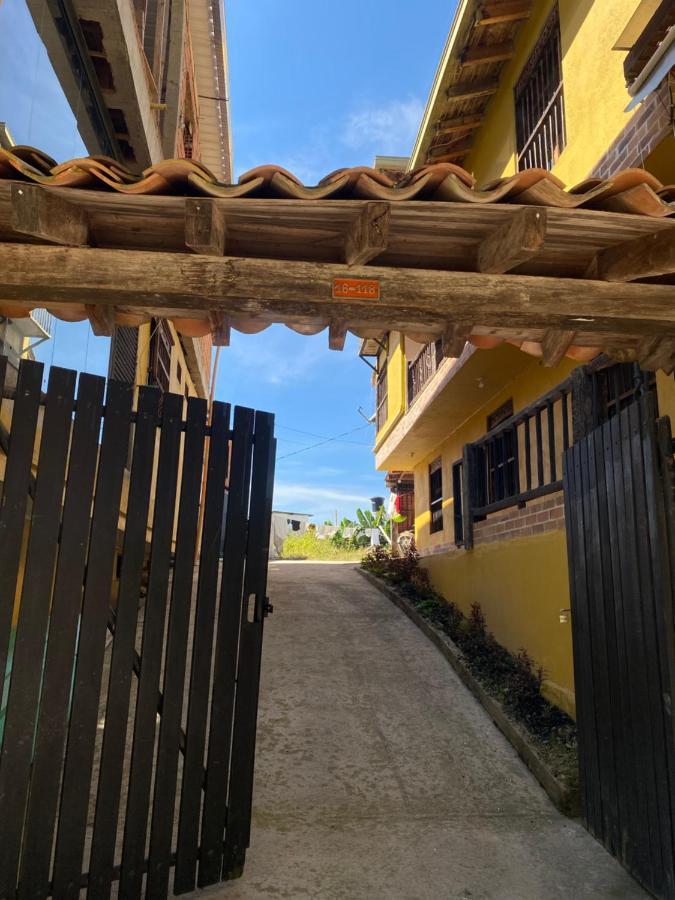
{"points": [[123, 354], [540, 107], [501, 456], [382, 397], [436, 495], [457, 502], [159, 373]]}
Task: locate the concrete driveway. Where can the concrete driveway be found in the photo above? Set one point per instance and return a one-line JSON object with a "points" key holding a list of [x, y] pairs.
{"points": [[379, 776]]}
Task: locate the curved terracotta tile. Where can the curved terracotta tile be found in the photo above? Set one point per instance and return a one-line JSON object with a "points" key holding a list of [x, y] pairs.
{"points": [[367, 188], [249, 326], [225, 191], [281, 186], [307, 330], [194, 328], [356, 172], [452, 190], [640, 200], [266, 173], [34, 157]]}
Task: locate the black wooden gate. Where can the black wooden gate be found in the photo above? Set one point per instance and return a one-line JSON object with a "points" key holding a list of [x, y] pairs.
{"points": [[618, 484], [129, 730]]}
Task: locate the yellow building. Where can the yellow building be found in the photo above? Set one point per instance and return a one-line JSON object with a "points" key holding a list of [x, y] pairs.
{"points": [[521, 85]]}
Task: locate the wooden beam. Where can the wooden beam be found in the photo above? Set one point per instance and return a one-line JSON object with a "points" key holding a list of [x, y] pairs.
{"points": [[448, 152], [486, 53], [514, 242], [555, 345], [337, 334], [642, 257], [454, 339], [656, 352], [368, 234], [469, 90], [41, 214], [182, 284], [101, 319], [220, 329], [464, 123], [502, 13], [204, 226]]}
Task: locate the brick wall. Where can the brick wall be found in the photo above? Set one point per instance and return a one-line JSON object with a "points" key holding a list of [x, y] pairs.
{"points": [[537, 517], [649, 126]]}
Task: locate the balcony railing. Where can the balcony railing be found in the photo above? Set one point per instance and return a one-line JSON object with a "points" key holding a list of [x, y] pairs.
{"points": [[44, 320], [422, 369]]}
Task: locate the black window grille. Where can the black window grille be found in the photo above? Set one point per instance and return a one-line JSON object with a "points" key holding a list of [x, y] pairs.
{"points": [[618, 386], [159, 373], [540, 107], [502, 459], [457, 502], [436, 495], [421, 369], [123, 354]]}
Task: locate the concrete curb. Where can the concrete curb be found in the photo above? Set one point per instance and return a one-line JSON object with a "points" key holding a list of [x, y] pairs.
{"points": [[565, 798]]}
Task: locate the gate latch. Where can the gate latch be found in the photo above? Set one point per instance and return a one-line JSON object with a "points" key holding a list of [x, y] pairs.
{"points": [[268, 609]]}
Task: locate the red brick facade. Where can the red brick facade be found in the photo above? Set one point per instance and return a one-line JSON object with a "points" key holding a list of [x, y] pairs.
{"points": [[537, 517], [652, 122]]}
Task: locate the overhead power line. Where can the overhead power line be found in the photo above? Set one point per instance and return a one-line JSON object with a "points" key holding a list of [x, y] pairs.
{"points": [[325, 441]]}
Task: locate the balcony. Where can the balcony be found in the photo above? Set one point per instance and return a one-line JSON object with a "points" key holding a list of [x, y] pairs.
{"points": [[39, 324], [422, 369]]}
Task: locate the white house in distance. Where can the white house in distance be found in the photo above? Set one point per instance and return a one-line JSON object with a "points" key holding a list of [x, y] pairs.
{"points": [[283, 524]]}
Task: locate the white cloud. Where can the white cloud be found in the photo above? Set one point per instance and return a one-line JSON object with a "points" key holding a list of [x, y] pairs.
{"points": [[390, 128], [286, 493]]}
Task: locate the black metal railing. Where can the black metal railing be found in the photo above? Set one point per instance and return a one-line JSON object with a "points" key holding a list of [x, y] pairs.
{"points": [[421, 369], [517, 461]]}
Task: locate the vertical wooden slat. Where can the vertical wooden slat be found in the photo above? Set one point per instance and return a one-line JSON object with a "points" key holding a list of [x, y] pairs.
{"points": [[159, 862], [659, 484], [140, 776], [121, 664], [647, 827], [32, 625], [468, 464], [15, 493], [600, 604], [565, 420], [622, 718], [225, 662], [539, 448], [200, 673], [551, 442], [238, 824], [91, 645], [528, 455], [641, 432], [58, 668]]}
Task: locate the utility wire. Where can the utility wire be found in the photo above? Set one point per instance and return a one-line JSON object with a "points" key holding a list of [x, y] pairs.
{"points": [[322, 436], [321, 443]]}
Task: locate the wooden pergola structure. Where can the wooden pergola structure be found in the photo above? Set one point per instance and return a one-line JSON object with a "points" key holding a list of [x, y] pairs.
{"points": [[552, 275]]}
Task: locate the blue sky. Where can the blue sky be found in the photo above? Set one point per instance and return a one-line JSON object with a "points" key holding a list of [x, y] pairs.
{"points": [[314, 86]]}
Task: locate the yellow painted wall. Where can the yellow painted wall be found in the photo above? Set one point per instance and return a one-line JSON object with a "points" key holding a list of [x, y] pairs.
{"points": [[521, 583], [178, 383], [594, 90], [396, 384]]}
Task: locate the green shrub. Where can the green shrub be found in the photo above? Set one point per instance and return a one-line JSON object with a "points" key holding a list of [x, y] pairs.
{"points": [[308, 546]]}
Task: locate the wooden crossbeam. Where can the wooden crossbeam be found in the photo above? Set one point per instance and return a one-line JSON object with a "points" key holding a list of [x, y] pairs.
{"points": [[469, 90], [486, 53], [502, 13], [454, 339], [463, 123], [220, 329], [337, 334], [514, 242], [448, 152], [642, 257], [44, 215], [191, 285], [101, 319], [555, 345], [204, 226], [368, 234]]}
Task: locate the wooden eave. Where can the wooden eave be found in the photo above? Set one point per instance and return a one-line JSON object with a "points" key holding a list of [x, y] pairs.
{"points": [[481, 42], [555, 277]]}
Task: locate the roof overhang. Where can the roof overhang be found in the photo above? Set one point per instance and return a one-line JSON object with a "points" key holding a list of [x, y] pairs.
{"points": [[554, 272]]}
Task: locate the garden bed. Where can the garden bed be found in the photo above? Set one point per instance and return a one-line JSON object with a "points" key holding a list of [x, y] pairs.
{"points": [[507, 686]]}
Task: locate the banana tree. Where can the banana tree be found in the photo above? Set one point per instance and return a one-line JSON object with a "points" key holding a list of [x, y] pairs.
{"points": [[379, 520]]}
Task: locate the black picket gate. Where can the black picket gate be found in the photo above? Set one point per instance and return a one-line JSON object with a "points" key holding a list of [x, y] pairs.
{"points": [[129, 731], [618, 484]]}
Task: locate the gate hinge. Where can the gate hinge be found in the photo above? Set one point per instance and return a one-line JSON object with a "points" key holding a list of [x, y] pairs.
{"points": [[268, 609]]}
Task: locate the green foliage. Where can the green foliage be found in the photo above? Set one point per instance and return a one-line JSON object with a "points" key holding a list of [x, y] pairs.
{"points": [[308, 546], [368, 520]]}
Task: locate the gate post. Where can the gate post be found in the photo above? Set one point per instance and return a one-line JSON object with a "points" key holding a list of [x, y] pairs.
{"points": [[583, 418]]}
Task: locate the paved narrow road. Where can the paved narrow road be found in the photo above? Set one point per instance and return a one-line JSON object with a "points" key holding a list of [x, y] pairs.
{"points": [[380, 778]]}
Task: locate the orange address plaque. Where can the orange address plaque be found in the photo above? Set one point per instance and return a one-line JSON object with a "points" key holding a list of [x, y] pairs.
{"points": [[356, 289]]}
